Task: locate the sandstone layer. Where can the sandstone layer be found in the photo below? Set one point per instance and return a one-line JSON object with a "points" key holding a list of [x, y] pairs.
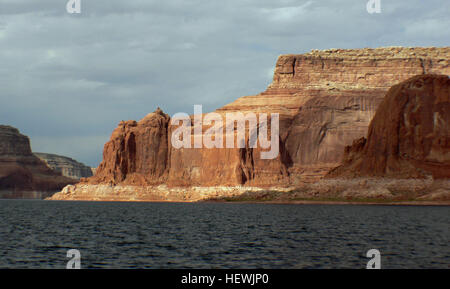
{"points": [[325, 100], [160, 193], [66, 166], [22, 174]]}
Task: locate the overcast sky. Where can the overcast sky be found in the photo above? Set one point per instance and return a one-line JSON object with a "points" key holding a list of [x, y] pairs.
{"points": [[67, 80]]}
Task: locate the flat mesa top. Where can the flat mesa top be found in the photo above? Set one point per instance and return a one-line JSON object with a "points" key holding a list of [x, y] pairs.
{"points": [[381, 52]]}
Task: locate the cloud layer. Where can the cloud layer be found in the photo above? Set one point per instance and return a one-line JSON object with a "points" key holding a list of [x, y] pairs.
{"points": [[67, 80]]}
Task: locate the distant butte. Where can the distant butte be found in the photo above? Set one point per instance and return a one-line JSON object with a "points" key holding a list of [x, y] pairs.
{"points": [[66, 166], [22, 174]]}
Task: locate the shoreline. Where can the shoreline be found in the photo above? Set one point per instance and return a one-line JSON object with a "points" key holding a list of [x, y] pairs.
{"points": [[312, 202], [334, 192], [302, 202]]}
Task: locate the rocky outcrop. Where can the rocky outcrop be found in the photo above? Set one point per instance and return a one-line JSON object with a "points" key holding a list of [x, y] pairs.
{"points": [[22, 174], [161, 193], [13, 143], [66, 166], [325, 100], [409, 136], [137, 153]]}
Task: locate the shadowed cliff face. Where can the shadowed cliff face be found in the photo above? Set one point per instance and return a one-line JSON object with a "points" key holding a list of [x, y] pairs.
{"points": [[325, 100], [409, 136], [13, 143], [22, 174]]}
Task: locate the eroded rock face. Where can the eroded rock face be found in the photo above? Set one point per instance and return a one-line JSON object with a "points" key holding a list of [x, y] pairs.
{"points": [[22, 174], [325, 100], [341, 90], [226, 166], [66, 166], [13, 143], [409, 136], [137, 152]]}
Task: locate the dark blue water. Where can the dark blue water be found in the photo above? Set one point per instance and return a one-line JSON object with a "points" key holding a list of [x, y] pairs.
{"points": [[37, 234]]}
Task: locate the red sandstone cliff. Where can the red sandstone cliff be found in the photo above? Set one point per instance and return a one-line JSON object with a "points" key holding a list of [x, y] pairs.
{"points": [[325, 99], [22, 174], [137, 152], [340, 92], [409, 136]]}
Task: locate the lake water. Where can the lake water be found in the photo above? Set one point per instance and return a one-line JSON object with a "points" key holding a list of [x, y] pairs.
{"points": [[37, 234]]}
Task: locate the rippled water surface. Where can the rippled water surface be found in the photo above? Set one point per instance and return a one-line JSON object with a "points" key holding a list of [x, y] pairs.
{"points": [[37, 234]]}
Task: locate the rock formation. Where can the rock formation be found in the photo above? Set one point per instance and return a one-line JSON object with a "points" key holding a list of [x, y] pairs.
{"points": [[325, 100], [137, 152], [342, 90], [409, 136], [22, 174], [66, 166]]}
